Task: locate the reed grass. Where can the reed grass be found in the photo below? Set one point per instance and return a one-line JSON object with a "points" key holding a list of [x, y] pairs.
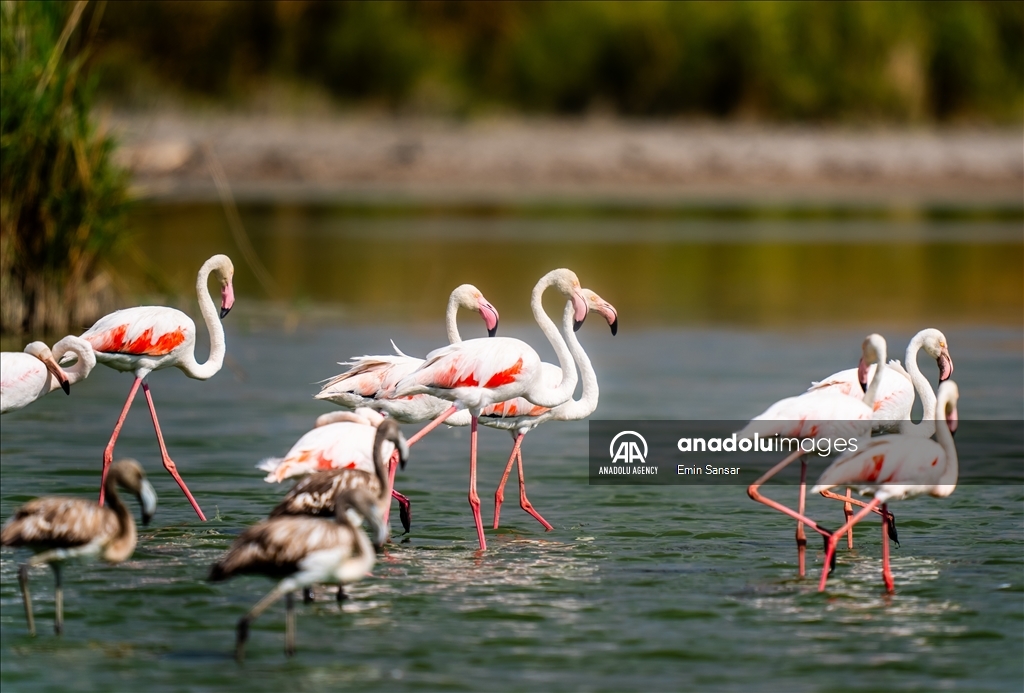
{"points": [[62, 199]]}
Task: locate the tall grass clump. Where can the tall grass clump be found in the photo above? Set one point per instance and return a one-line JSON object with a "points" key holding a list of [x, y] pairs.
{"points": [[61, 197]]}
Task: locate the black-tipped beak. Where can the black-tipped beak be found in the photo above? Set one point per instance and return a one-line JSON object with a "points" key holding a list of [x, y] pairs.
{"points": [[615, 327], [224, 312], [890, 527], [493, 331], [146, 518], [576, 325], [405, 515], [66, 386]]}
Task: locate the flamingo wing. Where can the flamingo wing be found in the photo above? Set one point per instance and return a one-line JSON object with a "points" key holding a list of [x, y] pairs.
{"points": [[343, 445], [141, 331], [369, 376], [893, 459], [488, 363], [23, 379]]}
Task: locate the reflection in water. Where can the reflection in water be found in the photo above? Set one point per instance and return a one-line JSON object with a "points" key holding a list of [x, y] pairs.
{"points": [[661, 271]]}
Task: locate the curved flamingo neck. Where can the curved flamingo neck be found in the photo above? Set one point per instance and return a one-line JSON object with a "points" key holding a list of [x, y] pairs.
{"points": [[872, 391], [86, 359], [213, 363], [947, 482], [924, 390], [574, 410], [541, 395], [379, 467], [451, 319]]}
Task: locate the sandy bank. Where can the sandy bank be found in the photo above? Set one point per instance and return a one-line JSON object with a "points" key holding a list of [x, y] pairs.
{"points": [[585, 162]]}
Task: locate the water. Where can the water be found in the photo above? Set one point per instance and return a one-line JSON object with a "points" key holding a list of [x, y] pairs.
{"points": [[636, 588]]}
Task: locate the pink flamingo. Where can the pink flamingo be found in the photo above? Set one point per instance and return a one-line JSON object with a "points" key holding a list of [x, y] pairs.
{"points": [[340, 440], [27, 375], [148, 338], [368, 380], [895, 397], [480, 372], [370, 377], [818, 413], [519, 416], [896, 467]]}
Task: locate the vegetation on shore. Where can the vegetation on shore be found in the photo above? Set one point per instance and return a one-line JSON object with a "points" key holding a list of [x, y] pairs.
{"points": [[867, 62], [61, 198]]}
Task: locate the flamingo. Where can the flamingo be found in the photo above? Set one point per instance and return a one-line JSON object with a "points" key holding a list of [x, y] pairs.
{"points": [[896, 390], [895, 398], [896, 467], [59, 529], [340, 440], [27, 375], [818, 413], [303, 551], [148, 338], [369, 377], [519, 416], [480, 372]]}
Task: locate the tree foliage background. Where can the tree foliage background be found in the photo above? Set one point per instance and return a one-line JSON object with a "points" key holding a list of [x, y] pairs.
{"points": [[778, 61]]}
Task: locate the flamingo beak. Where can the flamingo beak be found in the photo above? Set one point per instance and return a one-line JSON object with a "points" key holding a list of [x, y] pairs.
{"points": [[227, 300], [580, 309], [147, 498], [57, 372], [862, 374], [945, 365], [490, 316]]}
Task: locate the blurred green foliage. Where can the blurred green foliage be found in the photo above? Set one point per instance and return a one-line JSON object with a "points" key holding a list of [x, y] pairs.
{"points": [[61, 199], [782, 61]]}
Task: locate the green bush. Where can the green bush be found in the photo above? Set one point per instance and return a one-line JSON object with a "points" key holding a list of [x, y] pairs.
{"points": [[61, 199], [780, 61]]}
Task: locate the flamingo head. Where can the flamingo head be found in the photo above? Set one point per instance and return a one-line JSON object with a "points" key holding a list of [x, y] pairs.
{"points": [[356, 505], [130, 476], [221, 266], [42, 352], [469, 297], [597, 304], [935, 345], [872, 351], [568, 284], [389, 430]]}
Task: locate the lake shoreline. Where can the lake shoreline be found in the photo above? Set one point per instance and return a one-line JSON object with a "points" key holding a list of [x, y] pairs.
{"points": [[567, 163]]}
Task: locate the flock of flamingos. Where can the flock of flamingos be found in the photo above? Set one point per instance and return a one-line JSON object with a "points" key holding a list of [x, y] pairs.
{"points": [[347, 463]]}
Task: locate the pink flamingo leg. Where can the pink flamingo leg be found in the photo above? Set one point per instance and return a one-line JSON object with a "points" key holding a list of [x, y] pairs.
{"points": [[404, 505], [499, 495], [886, 571], [168, 463], [392, 470], [108, 453], [801, 538], [834, 539], [848, 512], [524, 502], [849, 502], [432, 425], [754, 494], [474, 499]]}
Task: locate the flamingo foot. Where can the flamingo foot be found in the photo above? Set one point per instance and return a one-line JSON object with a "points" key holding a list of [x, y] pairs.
{"points": [[172, 469]]}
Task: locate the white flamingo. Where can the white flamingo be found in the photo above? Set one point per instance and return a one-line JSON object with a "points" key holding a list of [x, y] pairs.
{"points": [[480, 372], [895, 397], [519, 416], [896, 467], [27, 375], [370, 377], [148, 338], [817, 413]]}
